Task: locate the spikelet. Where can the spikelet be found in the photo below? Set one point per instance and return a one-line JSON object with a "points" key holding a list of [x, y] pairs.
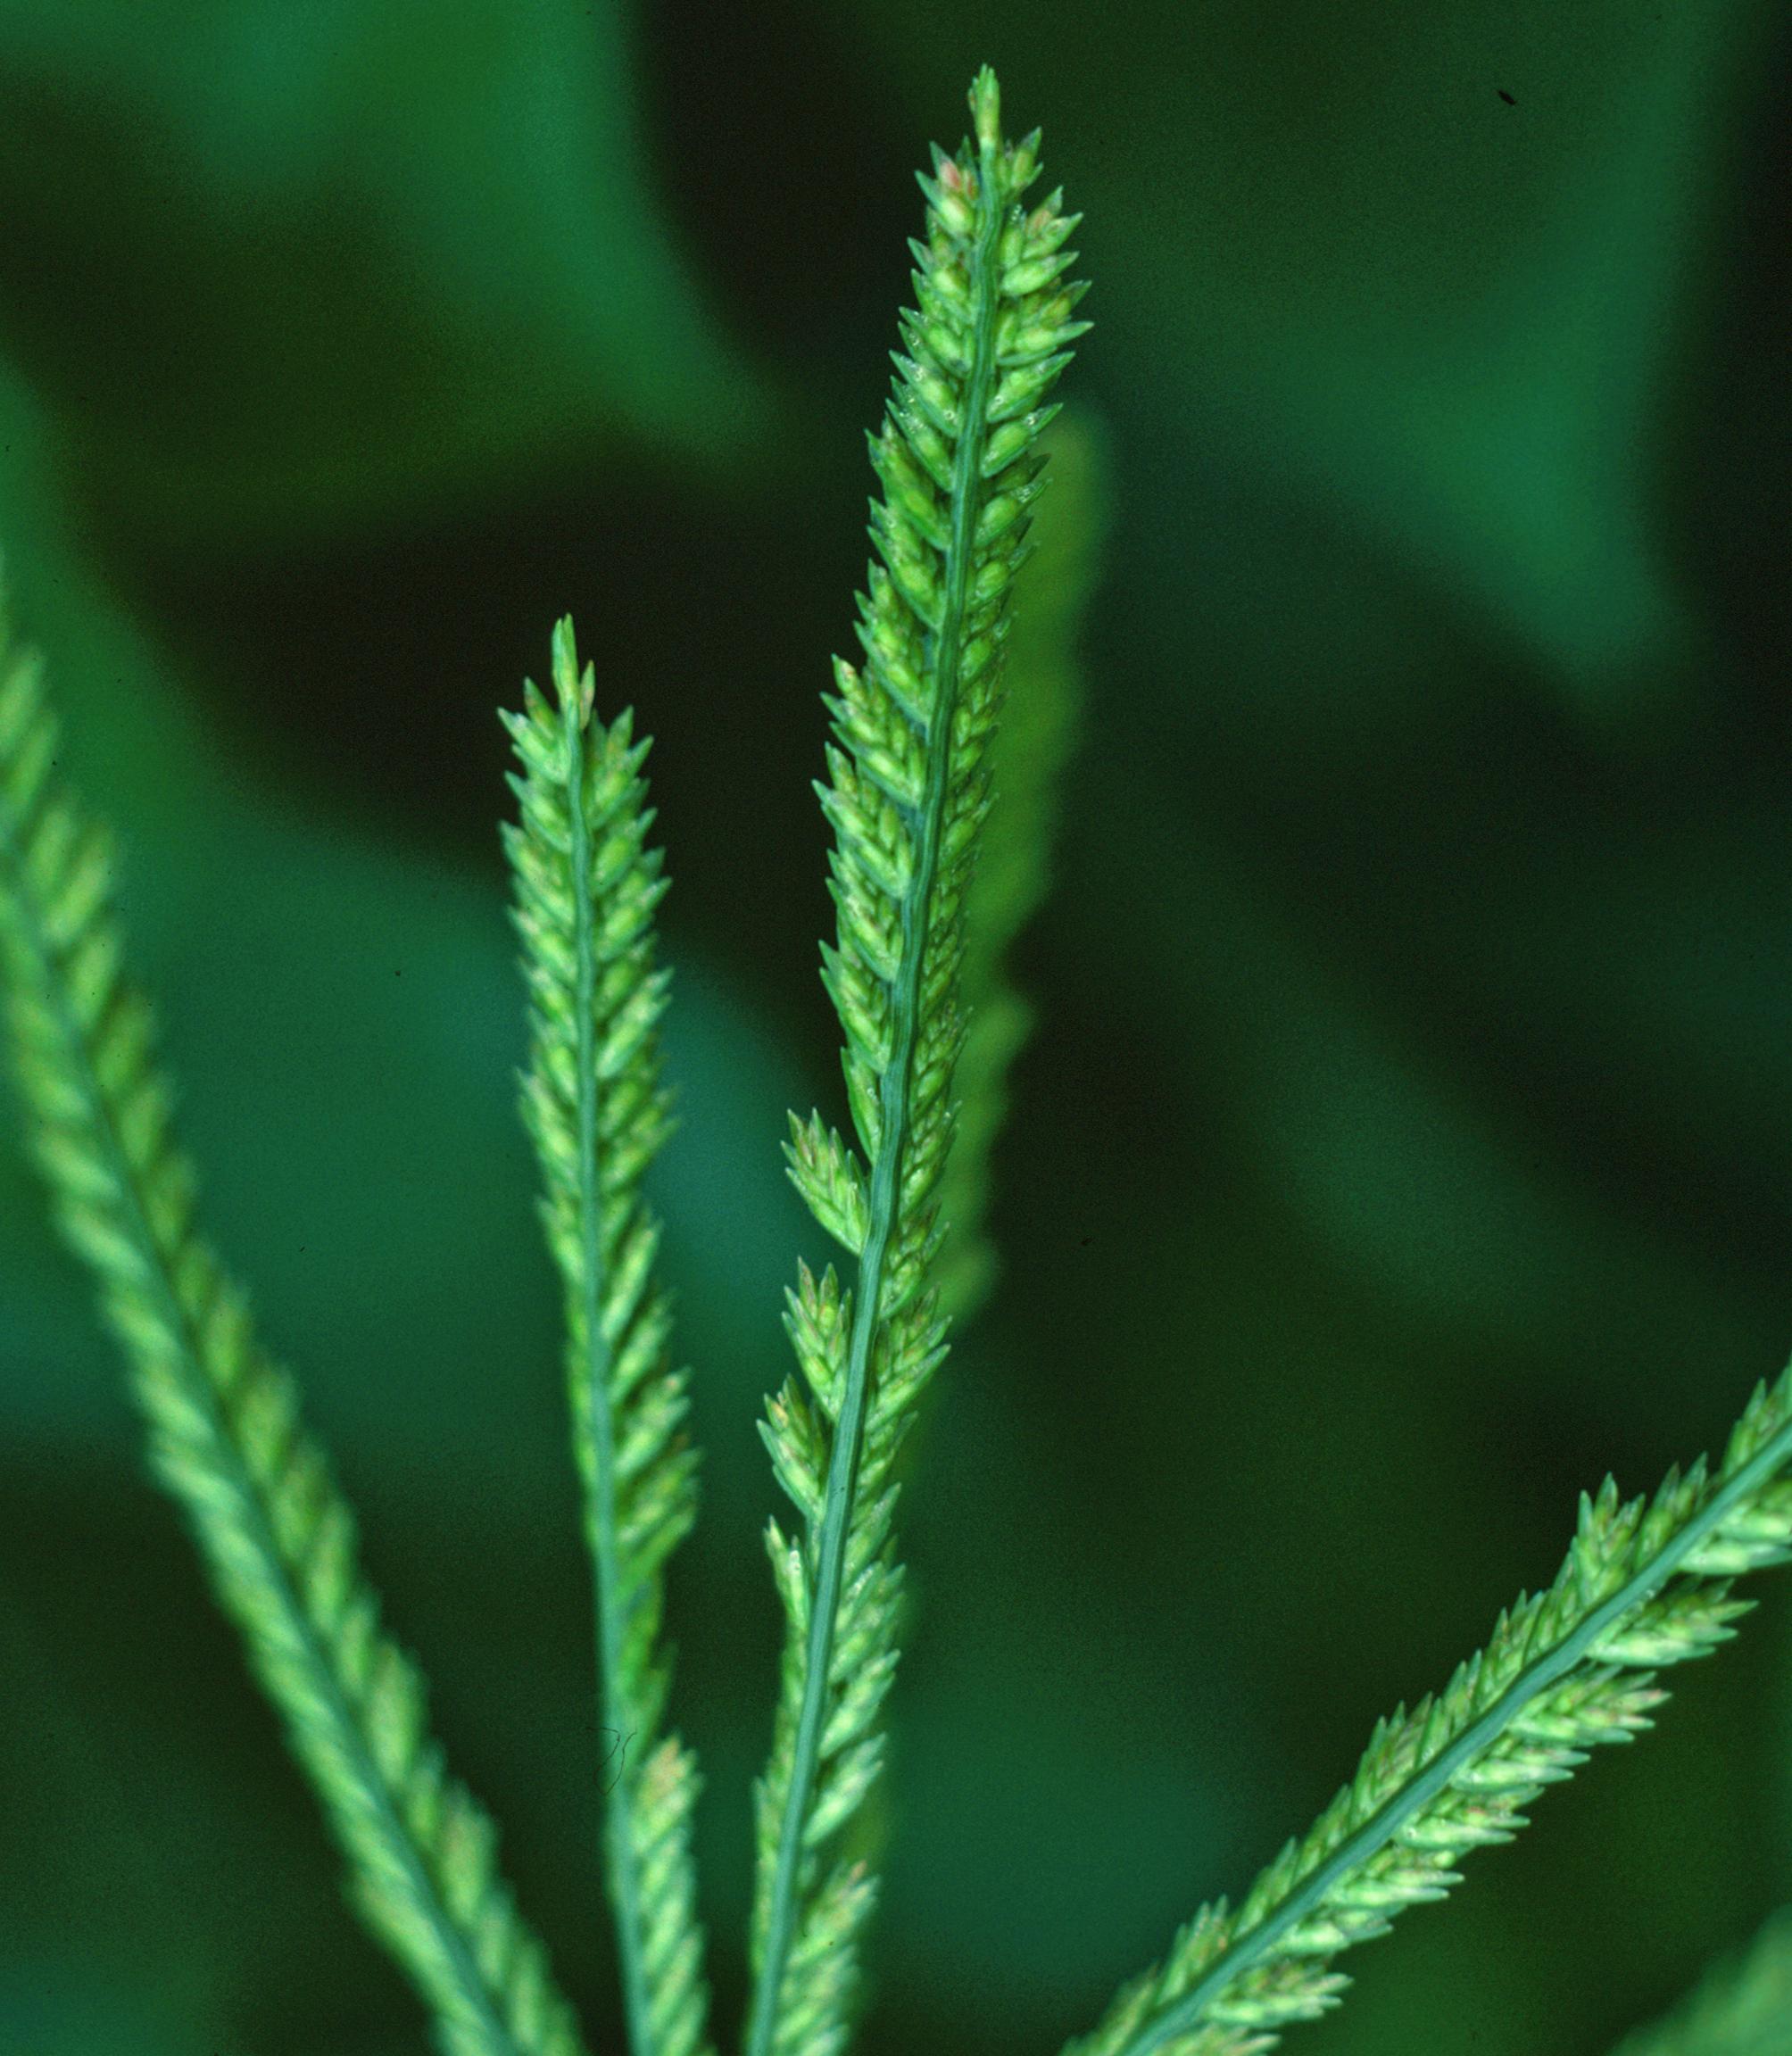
{"points": [[586, 886], [907, 793], [225, 1433], [1645, 1584]]}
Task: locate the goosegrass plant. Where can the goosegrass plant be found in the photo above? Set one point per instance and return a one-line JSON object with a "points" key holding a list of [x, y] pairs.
{"points": [[924, 782]]}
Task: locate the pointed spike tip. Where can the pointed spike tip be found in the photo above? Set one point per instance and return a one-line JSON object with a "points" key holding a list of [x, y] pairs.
{"points": [[577, 692], [986, 109], [565, 651]]}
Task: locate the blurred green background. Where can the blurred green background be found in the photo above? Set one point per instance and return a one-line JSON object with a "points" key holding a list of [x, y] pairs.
{"points": [[1407, 1137]]}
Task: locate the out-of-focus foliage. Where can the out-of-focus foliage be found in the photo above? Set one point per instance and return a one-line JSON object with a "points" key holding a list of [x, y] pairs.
{"points": [[1406, 1137], [1743, 2007], [368, 253]]}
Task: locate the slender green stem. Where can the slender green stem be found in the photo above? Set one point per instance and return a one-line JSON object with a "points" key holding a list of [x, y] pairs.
{"points": [[842, 1466], [1386, 1822], [600, 1421], [399, 1849]]}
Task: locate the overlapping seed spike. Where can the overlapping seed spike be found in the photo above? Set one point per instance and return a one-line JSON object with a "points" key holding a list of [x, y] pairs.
{"points": [[1032, 747]]}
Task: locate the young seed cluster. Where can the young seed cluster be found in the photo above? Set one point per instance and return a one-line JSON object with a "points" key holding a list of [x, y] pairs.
{"points": [[907, 794], [586, 886]]}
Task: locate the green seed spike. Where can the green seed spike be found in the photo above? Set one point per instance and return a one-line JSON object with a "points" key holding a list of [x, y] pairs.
{"points": [[226, 1436], [1645, 1585], [587, 887], [908, 791]]}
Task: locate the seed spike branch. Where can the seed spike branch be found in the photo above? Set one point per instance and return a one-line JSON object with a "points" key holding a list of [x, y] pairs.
{"points": [[225, 1433], [586, 886], [908, 792], [1645, 1584]]}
